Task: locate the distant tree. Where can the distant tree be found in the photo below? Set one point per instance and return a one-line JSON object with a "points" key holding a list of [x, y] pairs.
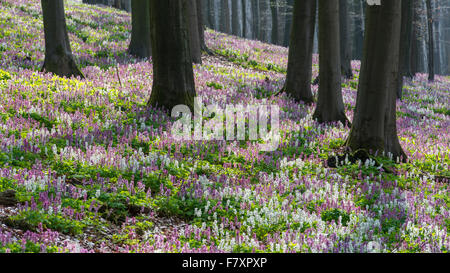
{"points": [[358, 28], [190, 6], [58, 54], [330, 105], [275, 20], [256, 19], [244, 18], [374, 125], [430, 41], [225, 18], [299, 71], [173, 76], [288, 25], [405, 45], [416, 49], [346, 65], [201, 25], [140, 45], [235, 26]]}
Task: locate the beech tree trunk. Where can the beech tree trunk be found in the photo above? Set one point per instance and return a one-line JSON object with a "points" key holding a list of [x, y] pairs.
{"points": [[415, 43], [430, 41], [330, 105], [275, 21], [201, 25], [374, 124], [58, 54], [211, 14], [193, 30], [140, 45], [256, 19], [225, 22], [235, 17], [244, 18], [405, 45], [346, 65], [359, 30], [289, 18], [173, 76], [299, 72]]}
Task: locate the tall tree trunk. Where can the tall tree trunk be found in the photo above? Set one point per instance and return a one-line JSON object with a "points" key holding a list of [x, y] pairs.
{"points": [[266, 19], [173, 76], [117, 4], [405, 45], [289, 18], [447, 39], [374, 123], [244, 18], [346, 65], [235, 18], [225, 17], [58, 54], [211, 14], [275, 22], [299, 72], [201, 25], [359, 30], [141, 44], [430, 41], [256, 19], [330, 105], [282, 9], [193, 30], [416, 42], [436, 27]]}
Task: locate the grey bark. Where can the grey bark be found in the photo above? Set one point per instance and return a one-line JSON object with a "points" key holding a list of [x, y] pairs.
{"points": [[299, 72], [235, 18], [374, 124], [173, 76], [275, 22], [193, 30], [330, 104], [140, 44], [58, 54], [430, 41], [225, 23], [346, 65]]}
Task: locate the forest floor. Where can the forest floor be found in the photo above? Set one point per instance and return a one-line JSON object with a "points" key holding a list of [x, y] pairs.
{"points": [[93, 169]]}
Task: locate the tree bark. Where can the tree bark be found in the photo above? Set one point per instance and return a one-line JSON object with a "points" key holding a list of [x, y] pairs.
{"points": [[141, 44], [256, 19], [436, 32], [211, 14], [201, 25], [225, 23], [346, 64], [266, 21], [235, 18], [173, 76], [374, 125], [330, 105], [416, 57], [405, 45], [289, 18], [359, 30], [430, 41], [58, 54], [275, 21], [299, 72], [244, 18], [193, 30]]}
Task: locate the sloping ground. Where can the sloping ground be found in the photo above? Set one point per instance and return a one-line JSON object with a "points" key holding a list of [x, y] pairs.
{"points": [[95, 170]]}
